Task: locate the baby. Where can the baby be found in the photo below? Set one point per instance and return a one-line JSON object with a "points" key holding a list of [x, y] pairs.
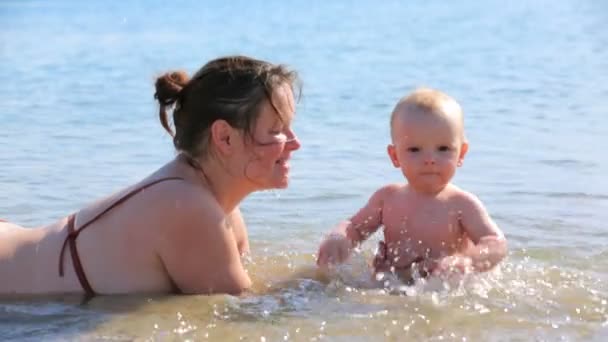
{"points": [[430, 225]]}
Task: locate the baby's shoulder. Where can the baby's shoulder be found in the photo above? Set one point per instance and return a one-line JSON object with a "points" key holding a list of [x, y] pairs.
{"points": [[461, 197], [386, 192], [392, 189]]}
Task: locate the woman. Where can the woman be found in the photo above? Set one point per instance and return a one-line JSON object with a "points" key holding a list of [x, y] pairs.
{"points": [[185, 232]]}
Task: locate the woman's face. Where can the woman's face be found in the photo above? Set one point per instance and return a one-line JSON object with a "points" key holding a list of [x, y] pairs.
{"points": [[273, 141]]}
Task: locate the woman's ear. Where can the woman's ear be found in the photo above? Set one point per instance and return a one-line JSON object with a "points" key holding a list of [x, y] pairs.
{"points": [[392, 153], [464, 148], [222, 136]]}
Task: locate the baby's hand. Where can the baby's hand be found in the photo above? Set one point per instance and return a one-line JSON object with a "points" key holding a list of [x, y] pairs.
{"points": [[453, 264], [335, 249]]}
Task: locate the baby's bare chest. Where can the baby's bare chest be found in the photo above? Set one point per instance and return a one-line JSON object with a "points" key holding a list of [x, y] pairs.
{"points": [[429, 229]]}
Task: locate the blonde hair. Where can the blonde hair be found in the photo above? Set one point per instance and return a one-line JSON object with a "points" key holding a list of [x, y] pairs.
{"points": [[428, 100]]}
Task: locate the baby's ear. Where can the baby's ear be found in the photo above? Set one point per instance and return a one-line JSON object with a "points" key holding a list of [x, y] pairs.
{"points": [[464, 148], [392, 153]]}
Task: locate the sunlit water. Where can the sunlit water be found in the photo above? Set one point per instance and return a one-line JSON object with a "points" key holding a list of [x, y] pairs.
{"points": [[78, 122]]}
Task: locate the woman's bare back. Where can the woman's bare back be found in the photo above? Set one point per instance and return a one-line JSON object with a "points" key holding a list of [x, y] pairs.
{"points": [[118, 250]]}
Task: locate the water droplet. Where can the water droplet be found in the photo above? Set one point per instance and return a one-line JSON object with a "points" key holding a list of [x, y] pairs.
{"points": [[435, 298]]}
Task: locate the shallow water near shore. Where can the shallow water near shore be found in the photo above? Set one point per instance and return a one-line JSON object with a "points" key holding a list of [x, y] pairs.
{"points": [[518, 301], [79, 122]]}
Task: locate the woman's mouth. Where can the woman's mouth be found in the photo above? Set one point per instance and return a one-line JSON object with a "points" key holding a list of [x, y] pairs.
{"points": [[284, 162]]}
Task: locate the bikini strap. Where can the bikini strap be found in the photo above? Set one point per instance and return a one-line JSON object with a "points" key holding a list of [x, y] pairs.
{"points": [[71, 239], [73, 234]]}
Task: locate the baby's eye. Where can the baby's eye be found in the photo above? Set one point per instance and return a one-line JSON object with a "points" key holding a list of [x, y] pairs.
{"points": [[443, 148], [413, 149]]}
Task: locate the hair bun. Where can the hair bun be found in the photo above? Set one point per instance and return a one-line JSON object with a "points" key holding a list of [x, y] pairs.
{"points": [[169, 85]]}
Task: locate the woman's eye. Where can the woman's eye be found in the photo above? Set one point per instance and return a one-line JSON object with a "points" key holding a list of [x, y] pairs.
{"points": [[413, 149], [443, 148], [276, 134], [280, 136], [277, 130]]}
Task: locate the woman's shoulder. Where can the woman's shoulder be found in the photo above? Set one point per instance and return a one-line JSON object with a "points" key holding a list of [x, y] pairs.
{"points": [[157, 198], [182, 197], [173, 188]]}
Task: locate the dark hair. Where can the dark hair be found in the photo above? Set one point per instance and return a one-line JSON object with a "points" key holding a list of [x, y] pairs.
{"points": [[228, 88]]}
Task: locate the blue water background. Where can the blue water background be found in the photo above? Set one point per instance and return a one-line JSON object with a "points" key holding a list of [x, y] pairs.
{"points": [[79, 120]]}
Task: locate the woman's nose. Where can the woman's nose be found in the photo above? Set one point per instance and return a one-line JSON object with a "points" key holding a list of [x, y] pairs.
{"points": [[293, 141]]}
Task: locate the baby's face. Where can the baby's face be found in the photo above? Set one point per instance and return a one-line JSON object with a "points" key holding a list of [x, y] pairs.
{"points": [[428, 148]]}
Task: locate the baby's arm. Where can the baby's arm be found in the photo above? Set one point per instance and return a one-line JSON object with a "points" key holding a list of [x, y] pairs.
{"points": [[347, 234], [490, 243]]}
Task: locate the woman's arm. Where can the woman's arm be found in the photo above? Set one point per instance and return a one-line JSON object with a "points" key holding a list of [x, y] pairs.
{"points": [[200, 252], [236, 222]]}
